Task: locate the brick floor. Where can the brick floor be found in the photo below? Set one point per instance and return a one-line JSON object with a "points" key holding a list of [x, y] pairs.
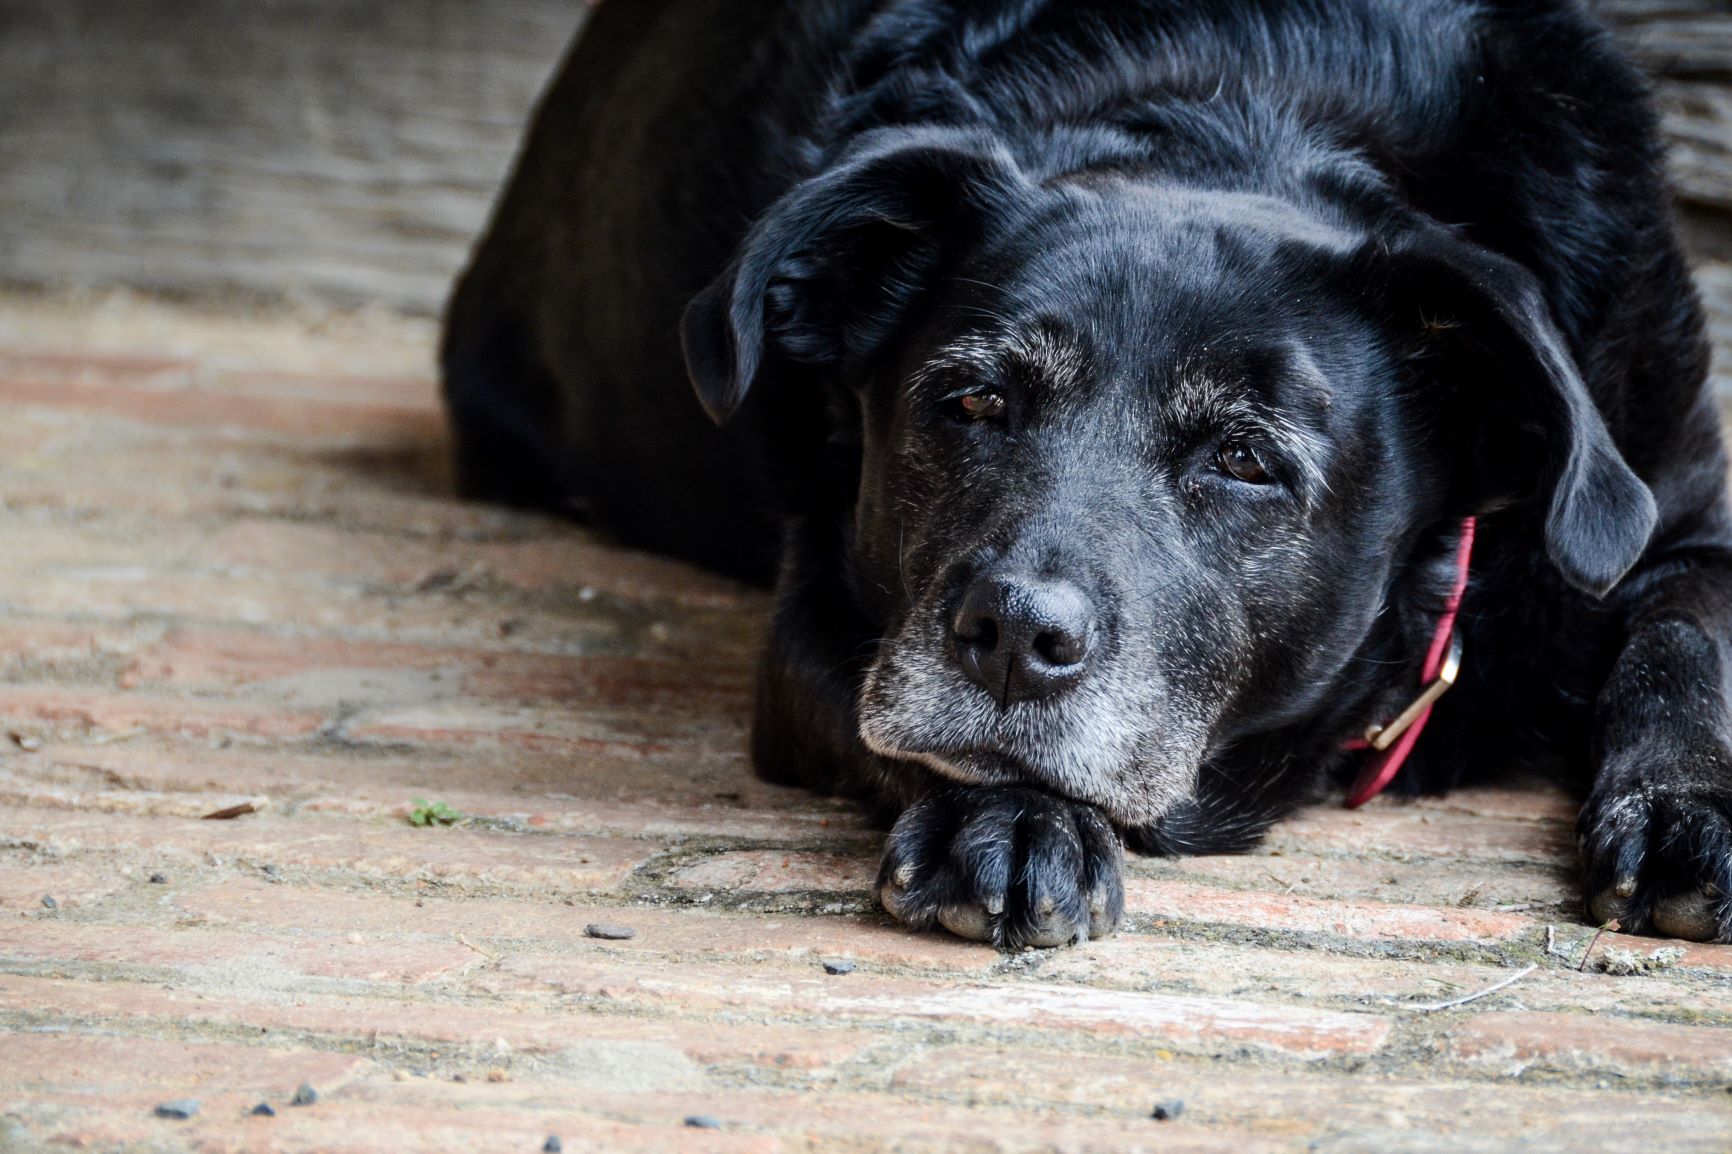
{"points": [[231, 573]]}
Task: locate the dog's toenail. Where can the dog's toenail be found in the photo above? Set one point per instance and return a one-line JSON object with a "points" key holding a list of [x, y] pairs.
{"points": [[1625, 887], [903, 877]]}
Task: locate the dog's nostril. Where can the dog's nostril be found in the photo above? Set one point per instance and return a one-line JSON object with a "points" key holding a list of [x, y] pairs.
{"points": [[1062, 647], [981, 632], [976, 625]]}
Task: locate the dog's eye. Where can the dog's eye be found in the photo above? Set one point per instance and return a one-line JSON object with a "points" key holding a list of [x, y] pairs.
{"points": [[978, 407], [1239, 461]]}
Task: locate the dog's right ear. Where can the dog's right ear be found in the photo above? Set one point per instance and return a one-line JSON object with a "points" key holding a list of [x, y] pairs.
{"points": [[830, 271], [1493, 355]]}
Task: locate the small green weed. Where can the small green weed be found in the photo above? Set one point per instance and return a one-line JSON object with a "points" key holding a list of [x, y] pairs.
{"points": [[433, 813]]}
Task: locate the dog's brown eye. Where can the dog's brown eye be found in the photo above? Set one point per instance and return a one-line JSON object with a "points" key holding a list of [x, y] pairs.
{"points": [[980, 407], [1239, 461]]}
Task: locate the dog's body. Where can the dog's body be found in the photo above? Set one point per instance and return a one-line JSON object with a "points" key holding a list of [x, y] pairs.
{"points": [[1113, 378]]}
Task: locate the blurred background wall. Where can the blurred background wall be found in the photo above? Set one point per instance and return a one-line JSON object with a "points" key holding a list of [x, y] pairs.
{"points": [[347, 151]]}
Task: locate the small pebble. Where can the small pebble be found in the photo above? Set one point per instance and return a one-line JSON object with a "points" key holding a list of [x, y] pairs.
{"points": [[158, 879], [305, 1095], [704, 1122], [26, 743], [264, 1110], [50, 902], [1167, 1111], [609, 933], [181, 1108], [839, 966], [553, 1145]]}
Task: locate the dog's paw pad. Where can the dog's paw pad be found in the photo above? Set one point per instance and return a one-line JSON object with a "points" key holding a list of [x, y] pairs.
{"points": [[967, 921], [1691, 916], [1612, 903]]}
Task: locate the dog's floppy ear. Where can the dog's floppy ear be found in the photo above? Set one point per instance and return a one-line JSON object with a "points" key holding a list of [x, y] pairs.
{"points": [[835, 264], [1519, 401]]}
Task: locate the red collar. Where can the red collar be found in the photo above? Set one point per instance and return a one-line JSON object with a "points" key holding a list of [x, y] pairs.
{"points": [[1389, 744]]}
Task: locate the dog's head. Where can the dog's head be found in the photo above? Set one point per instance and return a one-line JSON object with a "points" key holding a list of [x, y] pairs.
{"points": [[1141, 462]]}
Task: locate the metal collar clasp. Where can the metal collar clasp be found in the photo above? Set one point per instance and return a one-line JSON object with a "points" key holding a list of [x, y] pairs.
{"points": [[1381, 737]]}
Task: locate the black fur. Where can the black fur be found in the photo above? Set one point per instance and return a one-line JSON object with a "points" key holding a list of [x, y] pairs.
{"points": [[1199, 326]]}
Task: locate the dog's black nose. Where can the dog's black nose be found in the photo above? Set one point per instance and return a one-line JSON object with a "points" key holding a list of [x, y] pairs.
{"points": [[1022, 639]]}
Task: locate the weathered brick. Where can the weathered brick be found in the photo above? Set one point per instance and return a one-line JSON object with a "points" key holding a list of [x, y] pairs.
{"points": [[857, 1121], [79, 709], [1430, 881], [114, 569], [1368, 921], [387, 559], [770, 871], [1223, 969], [549, 732], [1527, 800], [23, 887], [1515, 1041], [1298, 1106], [540, 862], [423, 1117], [91, 1064], [284, 415], [1689, 955], [206, 659], [627, 795], [523, 928], [1208, 1024], [33, 649], [111, 466], [1408, 829], [322, 386], [264, 961], [463, 1034], [86, 366]]}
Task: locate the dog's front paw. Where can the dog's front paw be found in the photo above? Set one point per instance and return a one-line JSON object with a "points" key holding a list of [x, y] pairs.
{"points": [[1657, 856], [1014, 867]]}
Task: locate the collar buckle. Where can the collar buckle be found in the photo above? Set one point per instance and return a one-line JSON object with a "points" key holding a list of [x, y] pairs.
{"points": [[1381, 737]]}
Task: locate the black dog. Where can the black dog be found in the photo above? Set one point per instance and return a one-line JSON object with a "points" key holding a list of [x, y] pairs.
{"points": [[1108, 383]]}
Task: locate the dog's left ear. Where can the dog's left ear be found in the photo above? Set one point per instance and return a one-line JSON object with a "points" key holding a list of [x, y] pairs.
{"points": [[831, 269], [1482, 338]]}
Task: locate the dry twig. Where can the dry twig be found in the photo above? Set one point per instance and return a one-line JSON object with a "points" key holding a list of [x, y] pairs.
{"points": [[488, 954], [1432, 1007], [1613, 926], [120, 735]]}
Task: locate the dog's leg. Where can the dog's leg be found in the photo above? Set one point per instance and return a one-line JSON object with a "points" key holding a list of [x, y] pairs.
{"points": [[1007, 865], [805, 727], [1656, 834]]}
